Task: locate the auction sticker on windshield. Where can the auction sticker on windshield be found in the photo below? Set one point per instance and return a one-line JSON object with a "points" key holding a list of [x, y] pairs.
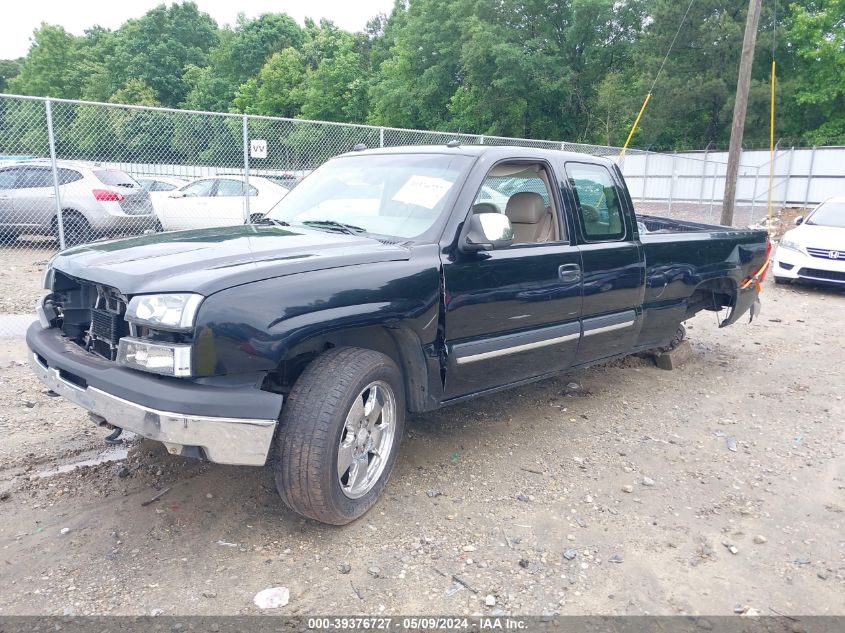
{"points": [[423, 191]]}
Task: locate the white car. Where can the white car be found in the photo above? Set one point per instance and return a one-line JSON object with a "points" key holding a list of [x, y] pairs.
{"points": [[158, 185], [815, 250], [217, 201], [159, 188]]}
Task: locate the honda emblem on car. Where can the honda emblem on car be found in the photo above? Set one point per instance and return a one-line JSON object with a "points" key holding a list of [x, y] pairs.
{"points": [[833, 254]]}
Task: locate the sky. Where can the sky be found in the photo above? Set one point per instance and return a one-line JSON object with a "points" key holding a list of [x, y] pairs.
{"points": [[19, 21]]}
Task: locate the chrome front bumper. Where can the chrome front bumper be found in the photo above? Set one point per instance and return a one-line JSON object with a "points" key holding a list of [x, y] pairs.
{"points": [[223, 440]]}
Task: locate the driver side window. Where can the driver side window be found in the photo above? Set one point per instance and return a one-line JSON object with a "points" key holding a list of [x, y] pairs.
{"points": [[521, 192]]}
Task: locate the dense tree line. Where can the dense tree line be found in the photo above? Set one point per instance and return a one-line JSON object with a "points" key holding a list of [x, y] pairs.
{"points": [[567, 70]]}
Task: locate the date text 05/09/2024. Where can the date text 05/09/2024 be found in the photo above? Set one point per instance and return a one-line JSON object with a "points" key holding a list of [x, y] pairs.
{"points": [[361, 623]]}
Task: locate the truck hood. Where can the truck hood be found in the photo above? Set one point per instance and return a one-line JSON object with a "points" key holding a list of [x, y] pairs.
{"points": [[208, 260]]}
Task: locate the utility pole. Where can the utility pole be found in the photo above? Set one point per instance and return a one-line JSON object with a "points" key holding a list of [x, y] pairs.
{"points": [[743, 84]]}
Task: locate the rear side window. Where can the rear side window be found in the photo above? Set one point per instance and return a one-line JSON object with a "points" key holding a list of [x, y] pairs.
{"points": [[158, 185], [36, 178], [199, 188], [597, 198], [229, 188], [115, 178], [68, 175]]}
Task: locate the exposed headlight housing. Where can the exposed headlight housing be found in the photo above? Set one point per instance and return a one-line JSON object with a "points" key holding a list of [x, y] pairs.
{"points": [[791, 245], [175, 311], [168, 359]]}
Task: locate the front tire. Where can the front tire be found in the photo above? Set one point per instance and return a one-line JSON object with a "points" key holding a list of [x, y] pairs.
{"points": [[781, 280], [339, 434]]}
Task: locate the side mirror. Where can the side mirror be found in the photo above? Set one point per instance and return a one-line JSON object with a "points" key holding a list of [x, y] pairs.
{"points": [[486, 232], [799, 220], [178, 194]]}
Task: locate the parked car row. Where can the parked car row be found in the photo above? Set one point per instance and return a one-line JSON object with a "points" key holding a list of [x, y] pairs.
{"points": [[103, 202]]}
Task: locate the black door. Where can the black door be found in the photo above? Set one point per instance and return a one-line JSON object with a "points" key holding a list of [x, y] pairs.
{"points": [[513, 313], [613, 266]]}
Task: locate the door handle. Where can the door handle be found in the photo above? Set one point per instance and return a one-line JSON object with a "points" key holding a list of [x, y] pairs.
{"points": [[569, 272]]}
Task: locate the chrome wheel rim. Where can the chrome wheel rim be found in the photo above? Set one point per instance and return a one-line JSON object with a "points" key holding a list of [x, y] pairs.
{"points": [[366, 439]]}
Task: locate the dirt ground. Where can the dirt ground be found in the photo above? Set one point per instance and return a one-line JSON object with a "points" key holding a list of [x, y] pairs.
{"points": [[21, 270], [613, 490]]}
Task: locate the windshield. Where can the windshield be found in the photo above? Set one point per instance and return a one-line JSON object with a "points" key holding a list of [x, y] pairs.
{"points": [[829, 214], [394, 195]]}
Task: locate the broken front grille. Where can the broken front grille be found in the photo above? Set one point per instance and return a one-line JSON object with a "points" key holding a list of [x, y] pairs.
{"points": [[106, 326], [92, 315]]}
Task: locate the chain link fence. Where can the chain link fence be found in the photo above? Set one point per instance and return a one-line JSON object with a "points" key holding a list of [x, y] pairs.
{"points": [[72, 172]]}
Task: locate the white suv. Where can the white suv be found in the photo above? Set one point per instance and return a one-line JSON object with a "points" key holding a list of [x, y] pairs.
{"points": [[95, 201]]}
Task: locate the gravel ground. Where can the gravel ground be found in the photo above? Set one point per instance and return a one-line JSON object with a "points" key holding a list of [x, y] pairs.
{"points": [[622, 489], [21, 268]]}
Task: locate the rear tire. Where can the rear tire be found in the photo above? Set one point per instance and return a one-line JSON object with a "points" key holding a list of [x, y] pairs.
{"points": [[76, 228], [153, 227], [339, 434]]}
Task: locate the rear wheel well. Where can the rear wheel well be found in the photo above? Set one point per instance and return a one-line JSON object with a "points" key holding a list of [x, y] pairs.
{"points": [[713, 294], [77, 227]]}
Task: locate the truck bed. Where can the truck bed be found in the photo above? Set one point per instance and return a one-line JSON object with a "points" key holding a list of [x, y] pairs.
{"points": [[654, 224]]}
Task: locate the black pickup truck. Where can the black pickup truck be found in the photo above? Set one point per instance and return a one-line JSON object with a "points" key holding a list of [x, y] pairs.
{"points": [[388, 281]]}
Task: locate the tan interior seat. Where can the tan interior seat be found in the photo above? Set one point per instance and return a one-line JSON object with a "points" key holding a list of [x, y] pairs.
{"points": [[530, 219]]}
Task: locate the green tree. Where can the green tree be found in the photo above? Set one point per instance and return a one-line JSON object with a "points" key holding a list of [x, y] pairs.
{"points": [[9, 68], [337, 89], [692, 102], [95, 72], [276, 89], [240, 55], [48, 70], [817, 33], [135, 92], [414, 85], [616, 107], [159, 46]]}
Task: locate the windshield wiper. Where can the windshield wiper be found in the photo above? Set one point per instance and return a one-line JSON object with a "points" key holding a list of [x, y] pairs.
{"points": [[266, 220], [332, 225]]}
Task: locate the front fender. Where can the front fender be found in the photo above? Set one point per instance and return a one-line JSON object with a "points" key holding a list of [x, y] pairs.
{"points": [[259, 325]]}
